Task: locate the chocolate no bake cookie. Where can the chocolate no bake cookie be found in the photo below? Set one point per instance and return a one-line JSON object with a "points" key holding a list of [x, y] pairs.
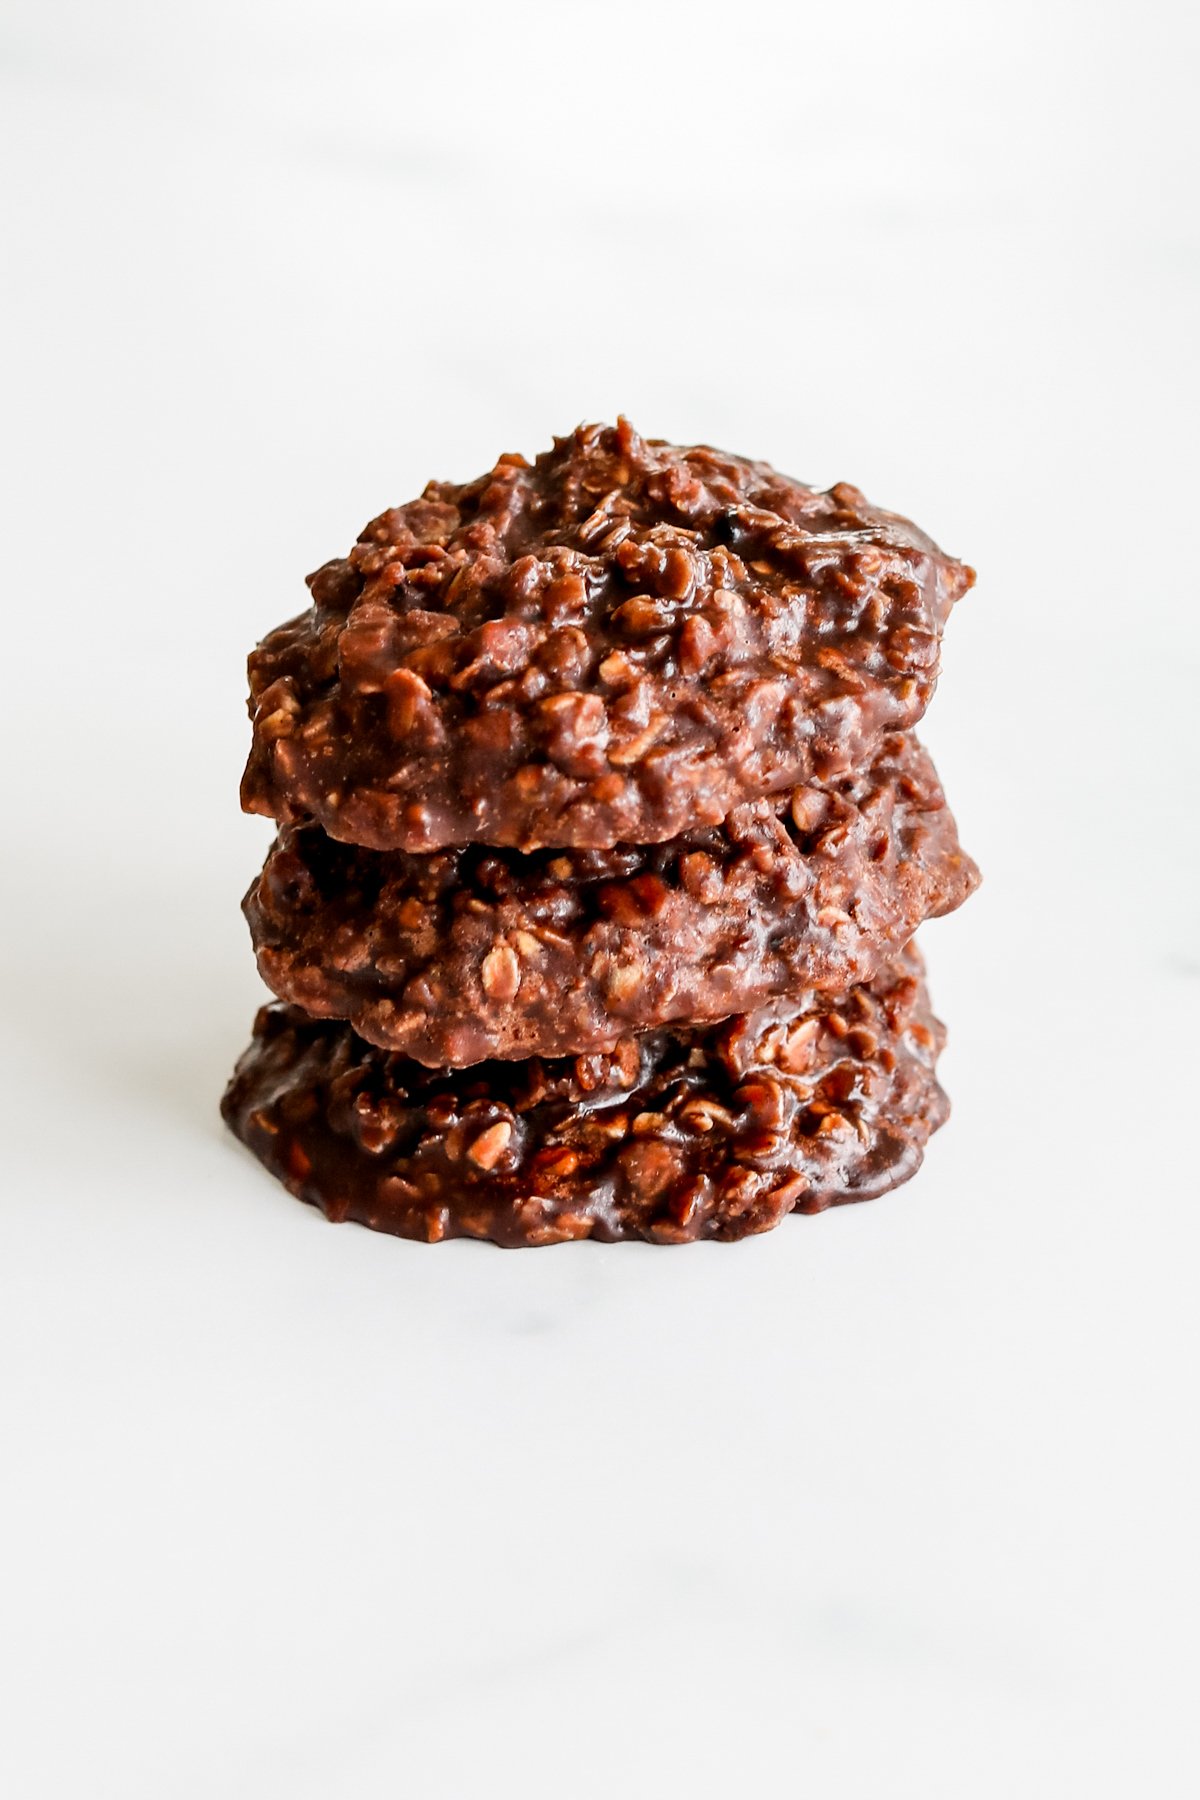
{"points": [[603, 833], [619, 643], [709, 1133], [470, 954]]}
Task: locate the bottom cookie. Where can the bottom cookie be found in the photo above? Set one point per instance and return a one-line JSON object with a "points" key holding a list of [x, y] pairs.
{"points": [[715, 1132]]}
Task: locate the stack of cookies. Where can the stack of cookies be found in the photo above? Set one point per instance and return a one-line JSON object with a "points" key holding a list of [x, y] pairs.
{"points": [[603, 837]]}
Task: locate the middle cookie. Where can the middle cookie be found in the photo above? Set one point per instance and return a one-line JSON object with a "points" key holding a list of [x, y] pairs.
{"points": [[469, 954]]}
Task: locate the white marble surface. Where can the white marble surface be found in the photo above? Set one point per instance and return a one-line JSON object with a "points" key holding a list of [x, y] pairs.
{"points": [[898, 1502]]}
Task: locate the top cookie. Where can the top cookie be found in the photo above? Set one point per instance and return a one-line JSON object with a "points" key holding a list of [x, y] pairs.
{"points": [[616, 644]]}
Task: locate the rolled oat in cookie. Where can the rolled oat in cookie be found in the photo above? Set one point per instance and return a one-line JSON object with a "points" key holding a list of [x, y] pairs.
{"points": [[470, 954], [716, 1132], [616, 644]]}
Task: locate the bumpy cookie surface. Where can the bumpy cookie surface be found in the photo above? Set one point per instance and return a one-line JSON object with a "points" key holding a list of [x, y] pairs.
{"points": [[464, 955], [614, 645], [713, 1133]]}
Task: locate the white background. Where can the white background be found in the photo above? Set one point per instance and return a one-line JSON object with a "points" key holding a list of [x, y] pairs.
{"points": [[896, 1502]]}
